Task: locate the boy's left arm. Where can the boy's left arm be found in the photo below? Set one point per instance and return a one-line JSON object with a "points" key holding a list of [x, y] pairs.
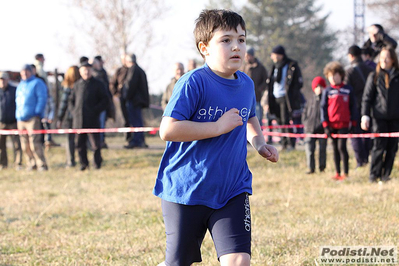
{"points": [[257, 140]]}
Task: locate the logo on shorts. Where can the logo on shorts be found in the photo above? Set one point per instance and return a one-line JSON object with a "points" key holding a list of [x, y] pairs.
{"points": [[247, 220]]}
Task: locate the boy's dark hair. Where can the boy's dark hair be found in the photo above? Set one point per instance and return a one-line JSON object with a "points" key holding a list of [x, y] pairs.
{"points": [[210, 20], [334, 67]]}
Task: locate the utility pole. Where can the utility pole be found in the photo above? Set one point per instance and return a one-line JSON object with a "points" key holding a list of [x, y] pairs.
{"points": [[359, 10]]}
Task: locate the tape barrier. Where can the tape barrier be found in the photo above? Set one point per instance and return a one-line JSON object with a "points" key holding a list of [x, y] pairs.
{"points": [[347, 136], [282, 126], [150, 130], [154, 130]]}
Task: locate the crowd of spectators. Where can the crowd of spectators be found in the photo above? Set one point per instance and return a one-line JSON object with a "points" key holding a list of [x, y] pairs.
{"points": [[358, 99]]}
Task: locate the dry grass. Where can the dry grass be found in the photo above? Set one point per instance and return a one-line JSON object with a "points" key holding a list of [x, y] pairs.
{"points": [[110, 217]]}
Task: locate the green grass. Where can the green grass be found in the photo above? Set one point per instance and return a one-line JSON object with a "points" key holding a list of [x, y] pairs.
{"points": [[110, 217]]}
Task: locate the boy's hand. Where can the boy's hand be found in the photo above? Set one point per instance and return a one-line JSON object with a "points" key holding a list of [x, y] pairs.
{"points": [[269, 152], [229, 121]]}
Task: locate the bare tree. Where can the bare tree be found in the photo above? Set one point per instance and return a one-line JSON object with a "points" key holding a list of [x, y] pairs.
{"points": [[118, 26], [389, 10]]}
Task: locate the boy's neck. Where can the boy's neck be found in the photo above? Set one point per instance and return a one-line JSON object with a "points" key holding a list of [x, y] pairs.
{"points": [[223, 74]]}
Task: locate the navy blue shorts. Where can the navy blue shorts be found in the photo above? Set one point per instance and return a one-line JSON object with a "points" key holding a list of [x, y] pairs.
{"points": [[186, 225]]}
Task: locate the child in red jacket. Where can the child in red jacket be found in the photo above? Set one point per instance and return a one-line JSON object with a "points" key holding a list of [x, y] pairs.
{"points": [[338, 114]]}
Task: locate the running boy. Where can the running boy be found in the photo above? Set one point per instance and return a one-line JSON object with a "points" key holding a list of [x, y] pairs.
{"points": [[338, 114], [203, 178]]}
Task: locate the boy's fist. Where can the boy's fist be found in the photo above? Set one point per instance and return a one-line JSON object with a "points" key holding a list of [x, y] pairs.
{"points": [[269, 152], [229, 121]]}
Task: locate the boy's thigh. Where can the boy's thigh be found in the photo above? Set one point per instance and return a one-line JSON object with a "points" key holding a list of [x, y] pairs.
{"points": [[185, 228], [230, 227]]}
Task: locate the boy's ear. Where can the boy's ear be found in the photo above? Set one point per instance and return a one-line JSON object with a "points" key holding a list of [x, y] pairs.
{"points": [[203, 48]]}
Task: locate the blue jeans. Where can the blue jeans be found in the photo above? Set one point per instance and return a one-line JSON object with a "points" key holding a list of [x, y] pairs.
{"points": [[103, 118], [135, 120]]}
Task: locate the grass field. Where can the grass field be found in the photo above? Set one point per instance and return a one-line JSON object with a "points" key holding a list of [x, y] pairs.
{"points": [[110, 217]]}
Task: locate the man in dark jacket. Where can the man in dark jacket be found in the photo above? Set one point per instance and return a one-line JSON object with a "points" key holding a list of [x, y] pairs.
{"points": [[101, 74], [356, 76], [88, 99], [258, 73], [284, 95], [116, 86], [377, 40], [137, 97], [8, 121]]}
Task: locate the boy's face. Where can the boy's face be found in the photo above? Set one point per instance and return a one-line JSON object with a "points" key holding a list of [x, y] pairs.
{"points": [[334, 78], [225, 52]]}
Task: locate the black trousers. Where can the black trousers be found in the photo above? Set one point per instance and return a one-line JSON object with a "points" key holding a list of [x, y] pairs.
{"points": [[384, 149], [340, 151], [284, 119], [95, 142]]}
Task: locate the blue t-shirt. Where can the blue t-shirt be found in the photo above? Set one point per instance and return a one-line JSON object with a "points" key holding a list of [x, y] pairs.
{"points": [[211, 171]]}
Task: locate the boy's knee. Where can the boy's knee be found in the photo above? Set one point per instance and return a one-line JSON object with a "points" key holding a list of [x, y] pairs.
{"points": [[235, 259]]}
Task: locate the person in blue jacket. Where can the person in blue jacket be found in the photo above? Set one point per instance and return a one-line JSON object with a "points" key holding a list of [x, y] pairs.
{"points": [[203, 179], [31, 99]]}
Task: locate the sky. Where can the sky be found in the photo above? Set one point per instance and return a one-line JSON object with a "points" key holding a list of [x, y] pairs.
{"points": [[44, 26]]}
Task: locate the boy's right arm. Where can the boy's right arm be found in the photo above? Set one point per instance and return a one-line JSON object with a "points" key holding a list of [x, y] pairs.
{"points": [[175, 130]]}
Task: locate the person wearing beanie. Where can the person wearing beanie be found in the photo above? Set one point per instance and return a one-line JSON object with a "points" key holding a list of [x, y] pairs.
{"points": [[284, 95], [377, 40], [338, 114], [312, 124], [258, 73], [31, 100], [356, 76]]}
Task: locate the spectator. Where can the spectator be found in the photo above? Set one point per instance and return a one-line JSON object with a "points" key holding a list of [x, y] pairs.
{"points": [[192, 64], [312, 124], [338, 114], [116, 88], [31, 99], [356, 75], [47, 138], [137, 97], [377, 40], [8, 121], [367, 54], [285, 83], [100, 73], [64, 112], [179, 71], [83, 60], [88, 99], [258, 73], [380, 102], [39, 64]]}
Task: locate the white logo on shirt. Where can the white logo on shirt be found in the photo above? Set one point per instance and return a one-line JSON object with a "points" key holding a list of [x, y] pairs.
{"points": [[212, 113]]}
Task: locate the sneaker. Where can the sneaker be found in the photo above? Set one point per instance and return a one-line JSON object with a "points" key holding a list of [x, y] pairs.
{"points": [[338, 177], [344, 176], [43, 168], [104, 145], [31, 168], [51, 143]]}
